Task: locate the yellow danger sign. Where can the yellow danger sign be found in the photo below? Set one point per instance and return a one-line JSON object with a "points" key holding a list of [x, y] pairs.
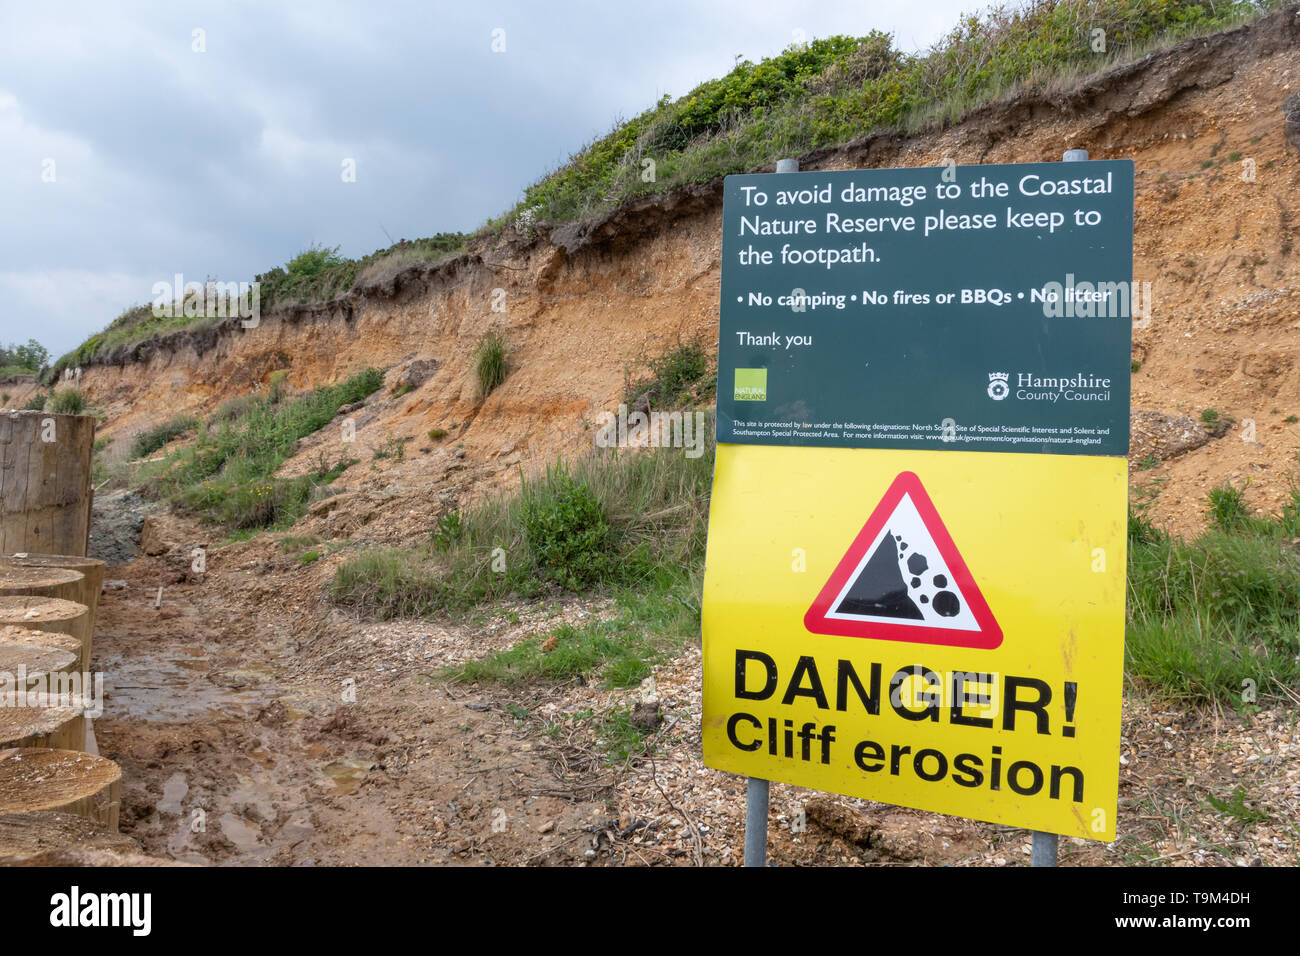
{"points": [[941, 630]]}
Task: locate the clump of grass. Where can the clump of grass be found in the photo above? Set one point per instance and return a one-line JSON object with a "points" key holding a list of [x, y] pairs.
{"points": [[1236, 806], [1210, 416], [292, 544], [490, 363], [437, 434], [680, 374], [37, 402], [1208, 615], [152, 439], [66, 401], [393, 446]]}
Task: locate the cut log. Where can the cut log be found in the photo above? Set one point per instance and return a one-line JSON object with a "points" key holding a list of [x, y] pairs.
{"points": [[64, 624], [25, 835], [91, 568], [27, 666], [56, 723], [40, 582], [45, 492], [35, 778]]}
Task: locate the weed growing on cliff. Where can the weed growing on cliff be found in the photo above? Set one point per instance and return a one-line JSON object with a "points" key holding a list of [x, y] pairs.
{"points": [[566, 531], [490, 365], [37, 402], [678, 376]]}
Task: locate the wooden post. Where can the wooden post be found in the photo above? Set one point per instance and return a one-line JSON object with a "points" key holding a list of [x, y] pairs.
{"points": [[45, 492], [24, 835], [88, 593], [46, 622], [34, 778], [54, 723], [40, 582]]}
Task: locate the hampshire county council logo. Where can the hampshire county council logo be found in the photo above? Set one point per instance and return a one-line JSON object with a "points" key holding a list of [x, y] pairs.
{"points": [[998, 388]]}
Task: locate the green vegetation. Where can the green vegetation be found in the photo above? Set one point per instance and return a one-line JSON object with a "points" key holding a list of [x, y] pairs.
{"points": [[66, 401], [566, 531], [227, 473], [437, 434], [1210, 618], [37, 402], [319, 274], [152, 439], [1237, 807], [1210, 416], [678, 377], [490, 365], [135, 325], [833, 90]]}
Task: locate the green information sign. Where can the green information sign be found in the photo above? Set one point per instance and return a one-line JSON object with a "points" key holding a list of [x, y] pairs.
{"points": [[979, 308]]}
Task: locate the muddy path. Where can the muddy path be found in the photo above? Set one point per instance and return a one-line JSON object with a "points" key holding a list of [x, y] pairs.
{"points": [[239, 748]]}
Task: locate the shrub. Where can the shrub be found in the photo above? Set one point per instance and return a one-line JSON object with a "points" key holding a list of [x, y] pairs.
{"points": [[565, 527], [66, 401], [437, 434], [674, 375], [490, 365], [37, 402]]}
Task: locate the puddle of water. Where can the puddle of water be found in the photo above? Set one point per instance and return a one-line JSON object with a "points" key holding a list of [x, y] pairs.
{"points": [[168, 689], [347, 774], [239, 833], [174, 791]]}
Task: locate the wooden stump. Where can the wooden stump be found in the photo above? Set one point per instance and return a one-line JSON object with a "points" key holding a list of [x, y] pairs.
{"points": [[58, 623], [40, 582], [24, 836], [56, 723], [45, 492], [91, 568], [36, 778], [24, 666]]}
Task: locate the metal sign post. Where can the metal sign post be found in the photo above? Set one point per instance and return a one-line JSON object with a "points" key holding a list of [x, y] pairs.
{"points": [[1044, 850], [756, 798]]}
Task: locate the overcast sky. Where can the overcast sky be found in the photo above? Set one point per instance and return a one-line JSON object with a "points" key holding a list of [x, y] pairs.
{"points": [[226, 162]]}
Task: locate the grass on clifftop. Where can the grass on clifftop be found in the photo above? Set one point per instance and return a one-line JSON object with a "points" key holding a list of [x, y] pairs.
{"points": [[833, 90], [227, 473]]}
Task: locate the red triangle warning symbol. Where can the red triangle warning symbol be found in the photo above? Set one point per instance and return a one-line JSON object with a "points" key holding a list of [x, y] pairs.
{"points": [[903, 579]]}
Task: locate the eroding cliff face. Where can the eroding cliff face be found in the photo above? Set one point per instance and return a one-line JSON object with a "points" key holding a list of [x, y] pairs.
{"points": [[584, 304]]}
